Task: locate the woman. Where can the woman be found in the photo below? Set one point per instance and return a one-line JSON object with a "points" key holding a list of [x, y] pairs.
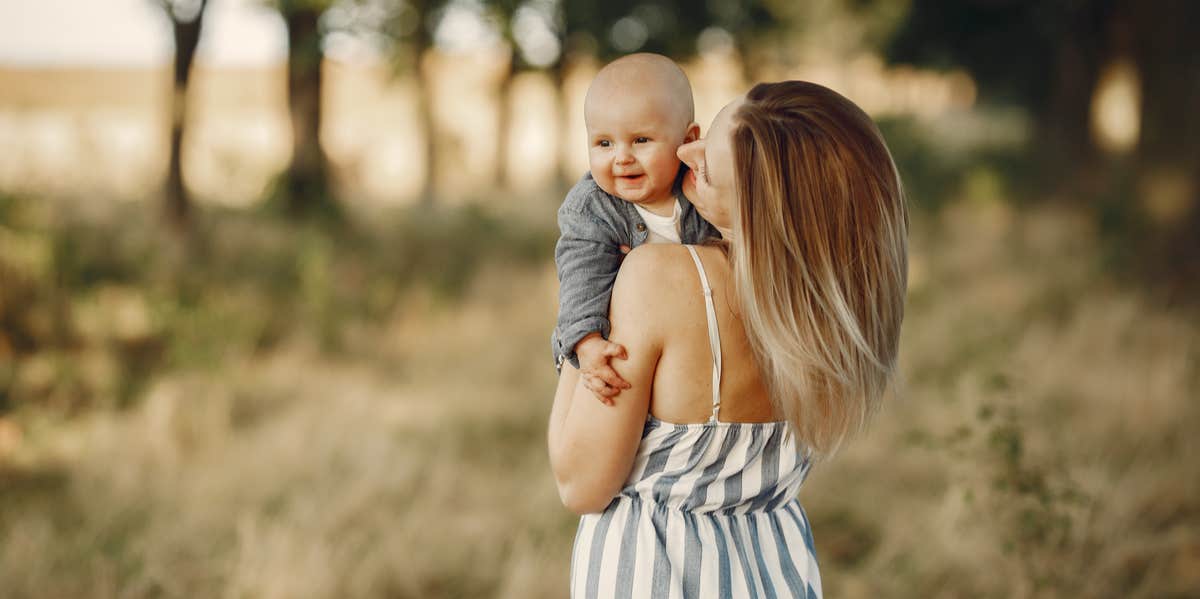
{"points": [[687, 484]]}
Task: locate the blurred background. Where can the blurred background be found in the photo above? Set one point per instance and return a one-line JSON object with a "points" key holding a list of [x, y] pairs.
{"points": [[276, 288]]}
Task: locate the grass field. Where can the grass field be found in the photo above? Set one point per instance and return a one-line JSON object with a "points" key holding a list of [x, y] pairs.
{"points": [[293, 412]]}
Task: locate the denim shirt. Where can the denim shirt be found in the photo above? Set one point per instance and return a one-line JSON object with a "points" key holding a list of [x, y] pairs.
{"points": [[593, 226]]}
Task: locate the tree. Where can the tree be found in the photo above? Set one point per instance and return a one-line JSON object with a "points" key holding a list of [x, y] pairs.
{"points": [[419, 40], [1167, 54], [187, 21], [670, 27], [533, 31], [306, 186], [611, 29], [1047, 58], [408, 27]]}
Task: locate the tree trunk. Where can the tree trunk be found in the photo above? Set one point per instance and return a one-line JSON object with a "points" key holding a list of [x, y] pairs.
{"points": [[563, 179], [1167, 54], [504, 106], [422, 40], [307, 185], [187, 38], [749, 63], [1063, 127]]}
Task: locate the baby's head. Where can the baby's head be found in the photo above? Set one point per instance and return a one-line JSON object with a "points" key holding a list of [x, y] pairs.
{"points": [[638, 112]]}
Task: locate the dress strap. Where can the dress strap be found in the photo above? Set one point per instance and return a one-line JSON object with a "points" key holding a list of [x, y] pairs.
{"points": [[714, 335]]}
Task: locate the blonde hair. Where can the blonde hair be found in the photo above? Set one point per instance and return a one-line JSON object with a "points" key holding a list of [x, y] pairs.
{"points": [[819, 255]]}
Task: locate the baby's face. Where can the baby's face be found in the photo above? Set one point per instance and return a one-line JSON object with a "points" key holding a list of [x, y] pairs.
{"points": [[632, 139]]}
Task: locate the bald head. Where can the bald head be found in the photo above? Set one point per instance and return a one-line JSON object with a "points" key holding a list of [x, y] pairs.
{"points": [[649, 77]]}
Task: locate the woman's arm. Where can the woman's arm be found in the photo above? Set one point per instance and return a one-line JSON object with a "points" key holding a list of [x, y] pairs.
{"points": [[592, 446]]}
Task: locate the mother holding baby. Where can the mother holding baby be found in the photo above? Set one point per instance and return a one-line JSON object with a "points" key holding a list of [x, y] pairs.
{"points": [[738, 362]]}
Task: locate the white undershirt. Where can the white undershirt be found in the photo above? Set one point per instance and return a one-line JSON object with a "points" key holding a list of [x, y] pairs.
{"points": [[663, 229]]}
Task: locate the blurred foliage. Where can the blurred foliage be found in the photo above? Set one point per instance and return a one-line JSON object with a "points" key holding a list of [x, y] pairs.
{"points": [[1005, 45], [92, 309], [1042, 512], [406, 30], [610, 29], [1048, 58], [321, 393], [1045, 446], [931, 176]]}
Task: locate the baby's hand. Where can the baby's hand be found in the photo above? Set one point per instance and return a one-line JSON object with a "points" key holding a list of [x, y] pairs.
{"points": [[599, 377]]}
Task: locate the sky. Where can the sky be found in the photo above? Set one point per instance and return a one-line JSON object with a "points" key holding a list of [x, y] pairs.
{"points": [[39, 33]]}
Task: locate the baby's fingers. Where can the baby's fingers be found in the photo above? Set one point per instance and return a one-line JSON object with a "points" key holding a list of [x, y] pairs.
{"points": [[614, 350], [603, 391], [610, 376]]}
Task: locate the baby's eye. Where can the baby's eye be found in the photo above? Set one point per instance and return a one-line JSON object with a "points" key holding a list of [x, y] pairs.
{"points": [[641, 140], [604, 143]]}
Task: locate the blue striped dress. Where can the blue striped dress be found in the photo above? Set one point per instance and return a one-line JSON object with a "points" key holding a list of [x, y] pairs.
{"points": [[709, 510]]}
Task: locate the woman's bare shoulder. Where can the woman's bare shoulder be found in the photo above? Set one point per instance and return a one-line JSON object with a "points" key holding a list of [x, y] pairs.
{"points": [[661, 278], [654, 267]]}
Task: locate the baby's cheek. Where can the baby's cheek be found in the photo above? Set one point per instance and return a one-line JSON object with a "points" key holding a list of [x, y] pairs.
{"points": [[605, 181]]}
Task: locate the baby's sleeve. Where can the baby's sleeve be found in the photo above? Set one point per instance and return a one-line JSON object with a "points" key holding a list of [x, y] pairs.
{"points": [[587, 257]]}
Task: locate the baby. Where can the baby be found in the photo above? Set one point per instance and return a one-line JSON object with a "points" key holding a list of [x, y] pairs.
{"points": [[638, 111]]}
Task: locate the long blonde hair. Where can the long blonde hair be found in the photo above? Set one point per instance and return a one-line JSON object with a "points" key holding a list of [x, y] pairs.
{"points": [[819, 255]]}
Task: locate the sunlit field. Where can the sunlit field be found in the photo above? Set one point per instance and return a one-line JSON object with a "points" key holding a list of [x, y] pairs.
{"points": [[359, 411], [114, 122], [268, 406]]}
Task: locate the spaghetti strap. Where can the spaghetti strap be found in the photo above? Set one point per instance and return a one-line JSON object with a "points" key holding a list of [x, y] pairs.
{"points": [[714, 335], [699, 498]]}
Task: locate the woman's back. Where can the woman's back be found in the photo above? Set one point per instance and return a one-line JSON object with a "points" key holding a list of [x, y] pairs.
{"points": [[682, 388], [709, 507], [695, 481]]}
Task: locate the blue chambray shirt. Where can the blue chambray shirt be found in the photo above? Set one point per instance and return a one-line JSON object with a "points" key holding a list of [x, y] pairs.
{"points": [[593, 226]]}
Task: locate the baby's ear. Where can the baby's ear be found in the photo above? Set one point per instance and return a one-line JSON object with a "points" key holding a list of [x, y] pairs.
{"points": [[693, 132]]}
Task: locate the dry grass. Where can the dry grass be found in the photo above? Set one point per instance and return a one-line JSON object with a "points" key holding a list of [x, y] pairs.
{"points": [[1044, 446], [1041, 447], [416, 471]]}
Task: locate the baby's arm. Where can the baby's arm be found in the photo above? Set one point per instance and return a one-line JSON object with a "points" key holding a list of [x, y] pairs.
{"points": [[587, 256]]}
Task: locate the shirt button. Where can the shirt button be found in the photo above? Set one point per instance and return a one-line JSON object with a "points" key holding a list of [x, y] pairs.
{"points": [[641, 227]]}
